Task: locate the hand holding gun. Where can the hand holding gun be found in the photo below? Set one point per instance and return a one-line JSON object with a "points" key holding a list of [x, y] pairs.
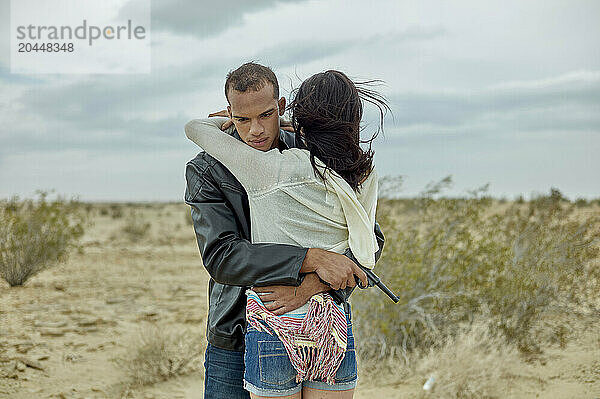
{"points": [[341, 296]]}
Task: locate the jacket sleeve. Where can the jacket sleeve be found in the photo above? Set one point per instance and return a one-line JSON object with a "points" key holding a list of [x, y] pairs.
{"points": [[380, 241], [228, 258]]}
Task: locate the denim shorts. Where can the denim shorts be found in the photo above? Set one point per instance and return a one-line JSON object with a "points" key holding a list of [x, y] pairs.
{"points": [[269, 372]]}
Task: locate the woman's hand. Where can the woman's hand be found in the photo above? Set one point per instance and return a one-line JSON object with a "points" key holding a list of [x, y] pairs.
{"points": [[225, 114]]}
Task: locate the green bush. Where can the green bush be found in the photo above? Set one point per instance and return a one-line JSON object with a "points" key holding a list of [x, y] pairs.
{"points": [[451, 259], [36, 234]]}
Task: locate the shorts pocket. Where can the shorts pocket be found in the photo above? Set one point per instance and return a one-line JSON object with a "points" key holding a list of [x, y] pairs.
{"points": [[274, 364], [348, 368]]}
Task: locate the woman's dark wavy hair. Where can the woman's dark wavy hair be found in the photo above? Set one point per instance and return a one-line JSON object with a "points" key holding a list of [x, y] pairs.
{"points": [[326, 112]]}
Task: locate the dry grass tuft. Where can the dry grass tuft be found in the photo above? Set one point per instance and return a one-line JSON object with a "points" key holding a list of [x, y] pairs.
{"points": [[158, 354], [472, 364], [135, 227]]}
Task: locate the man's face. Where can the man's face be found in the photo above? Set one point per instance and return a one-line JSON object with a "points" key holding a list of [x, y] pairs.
{"points": [[255, 115]]}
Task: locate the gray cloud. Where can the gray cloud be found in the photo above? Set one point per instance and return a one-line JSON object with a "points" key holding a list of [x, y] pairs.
{"points": [[7, 78], [453, 108], [80, 113], [102, 102], [204, 18], [121, 135], [99, 95], [304, 52], [301, 53], [412, 33]]}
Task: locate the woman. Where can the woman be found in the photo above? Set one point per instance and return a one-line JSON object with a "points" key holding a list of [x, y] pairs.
{"points": [[329, 192]]}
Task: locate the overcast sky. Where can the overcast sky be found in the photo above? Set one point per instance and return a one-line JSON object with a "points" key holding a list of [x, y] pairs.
{"points": [[500, 92]]}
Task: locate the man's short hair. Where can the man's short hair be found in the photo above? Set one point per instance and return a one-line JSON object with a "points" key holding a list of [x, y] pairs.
{"points": [[251, 76]]}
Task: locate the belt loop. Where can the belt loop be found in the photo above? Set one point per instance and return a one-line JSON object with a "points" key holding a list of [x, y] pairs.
{"points": [[347, 310]]}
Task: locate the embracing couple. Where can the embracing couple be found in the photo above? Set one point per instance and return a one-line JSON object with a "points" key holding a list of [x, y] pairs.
{"points": [[275, 207]]}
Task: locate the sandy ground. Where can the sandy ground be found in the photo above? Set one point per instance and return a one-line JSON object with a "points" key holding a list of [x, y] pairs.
{"points": [[60, 333]]}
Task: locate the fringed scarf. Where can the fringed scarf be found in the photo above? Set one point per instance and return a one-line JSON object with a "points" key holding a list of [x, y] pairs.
{"points": [[315, 344]]}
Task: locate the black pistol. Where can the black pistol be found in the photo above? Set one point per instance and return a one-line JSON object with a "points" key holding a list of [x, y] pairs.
{"points": [[374, 280], [341, 296]]}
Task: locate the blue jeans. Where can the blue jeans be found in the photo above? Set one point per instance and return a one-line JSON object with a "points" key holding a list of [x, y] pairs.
{"points": [[224, 374]]}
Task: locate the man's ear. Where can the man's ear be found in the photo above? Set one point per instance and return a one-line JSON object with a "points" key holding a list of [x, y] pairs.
{"points": [[229, 111], [281, 104]]}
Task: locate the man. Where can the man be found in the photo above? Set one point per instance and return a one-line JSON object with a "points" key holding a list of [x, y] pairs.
{"points": [[287, 275]]}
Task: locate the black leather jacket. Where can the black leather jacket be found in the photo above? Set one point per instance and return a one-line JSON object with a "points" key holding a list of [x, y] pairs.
{"points": [[221, 217]]}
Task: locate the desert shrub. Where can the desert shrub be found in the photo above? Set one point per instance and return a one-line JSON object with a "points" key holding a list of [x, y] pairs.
{"points": [[545, 270], [116, 211], [388, 186], [135, 228], [582, 202], [157, 354], [89, 208], [36, 234], [520, 199], [554, 197], [450, 259]]}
